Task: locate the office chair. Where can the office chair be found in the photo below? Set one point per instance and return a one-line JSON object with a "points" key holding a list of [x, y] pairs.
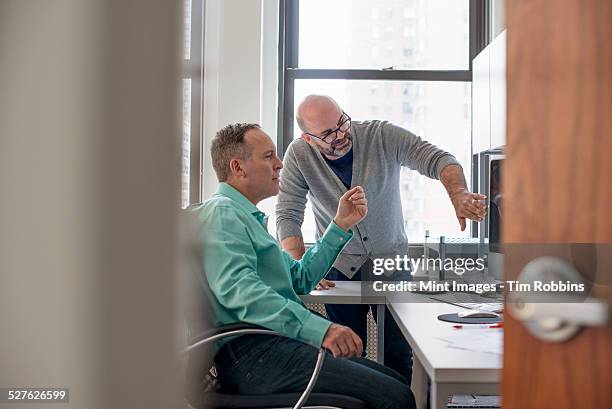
{"points": [[202, 388], [213, 398]]}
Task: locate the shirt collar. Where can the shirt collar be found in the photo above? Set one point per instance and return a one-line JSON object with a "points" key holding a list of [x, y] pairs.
{"points": [[242, 202]]}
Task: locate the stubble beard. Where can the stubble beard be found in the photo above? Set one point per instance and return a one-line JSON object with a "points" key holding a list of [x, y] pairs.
{"points": [[335, 153]]}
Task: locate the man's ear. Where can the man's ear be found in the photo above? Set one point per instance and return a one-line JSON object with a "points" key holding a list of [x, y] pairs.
{"points": [[236, 168], [307, 138]]}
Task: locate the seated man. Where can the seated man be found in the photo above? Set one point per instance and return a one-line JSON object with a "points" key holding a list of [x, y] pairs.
{"points": [[252, 280]]}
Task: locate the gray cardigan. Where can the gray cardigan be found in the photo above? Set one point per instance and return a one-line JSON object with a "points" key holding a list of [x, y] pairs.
{"points": [[380, 148]]}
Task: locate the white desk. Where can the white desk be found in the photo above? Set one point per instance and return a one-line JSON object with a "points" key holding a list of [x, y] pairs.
{"points": [[451, 370], [347, 292]]}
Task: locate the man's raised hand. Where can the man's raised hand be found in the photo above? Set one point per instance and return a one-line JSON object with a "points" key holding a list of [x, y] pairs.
{"points": [[352, 208]]}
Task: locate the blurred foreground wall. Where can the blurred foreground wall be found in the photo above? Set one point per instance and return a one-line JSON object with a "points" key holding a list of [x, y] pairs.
{"points": [[89, 189]]}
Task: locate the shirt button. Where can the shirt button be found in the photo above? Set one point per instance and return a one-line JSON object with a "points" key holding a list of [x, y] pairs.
{"points": [[353, 268], [365, 238]]}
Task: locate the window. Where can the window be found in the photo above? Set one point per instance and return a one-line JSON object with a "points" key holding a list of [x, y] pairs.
{"points": [[388, 89], [407, 108], [375, 53], [193, 20], [440, 24], [426, 52], [388, 52]]}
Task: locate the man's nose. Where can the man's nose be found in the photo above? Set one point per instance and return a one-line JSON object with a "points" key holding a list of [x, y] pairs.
{"points": [[279, 164]]}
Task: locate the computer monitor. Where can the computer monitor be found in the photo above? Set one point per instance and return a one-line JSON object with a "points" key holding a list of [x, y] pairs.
{"points": [[495, 202]]}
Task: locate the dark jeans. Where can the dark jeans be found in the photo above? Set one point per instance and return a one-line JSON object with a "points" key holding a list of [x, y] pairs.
{"points": [[398, 354], [264, 364]]}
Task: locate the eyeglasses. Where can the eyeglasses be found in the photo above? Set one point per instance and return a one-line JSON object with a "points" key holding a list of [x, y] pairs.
{"points": [[344, 125]]}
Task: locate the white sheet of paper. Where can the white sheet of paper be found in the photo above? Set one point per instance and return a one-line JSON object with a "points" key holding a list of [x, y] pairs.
{"points": [[488, 340]]}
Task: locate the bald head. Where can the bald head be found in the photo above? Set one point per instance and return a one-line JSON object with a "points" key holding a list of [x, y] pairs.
{"points": [[315, 111], [325, 126]]}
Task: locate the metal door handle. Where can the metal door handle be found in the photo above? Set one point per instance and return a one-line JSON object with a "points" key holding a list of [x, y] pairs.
{"points": [[555, 317]]}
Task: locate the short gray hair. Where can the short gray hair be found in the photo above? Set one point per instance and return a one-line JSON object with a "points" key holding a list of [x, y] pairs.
{"points": [[229, 144]]}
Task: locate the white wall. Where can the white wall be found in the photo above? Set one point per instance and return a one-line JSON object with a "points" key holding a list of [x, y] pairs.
{"points": [[240, 70]]}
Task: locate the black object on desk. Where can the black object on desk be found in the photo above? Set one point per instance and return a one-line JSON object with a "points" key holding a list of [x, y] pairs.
{"points": [[454, 318]]}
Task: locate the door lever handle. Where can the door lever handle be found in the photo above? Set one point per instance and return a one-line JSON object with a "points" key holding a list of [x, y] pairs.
{"points": [[555, 317]]}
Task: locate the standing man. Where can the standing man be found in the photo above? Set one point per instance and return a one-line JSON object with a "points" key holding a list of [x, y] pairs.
{"points": [[334, 154]]}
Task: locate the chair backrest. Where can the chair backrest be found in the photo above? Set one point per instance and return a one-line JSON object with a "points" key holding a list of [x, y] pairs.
{"points": [[194, 288], [197, 312]]}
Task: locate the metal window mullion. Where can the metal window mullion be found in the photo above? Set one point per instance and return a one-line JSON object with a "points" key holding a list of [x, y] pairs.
{"points": [[479, 38], [293, 43], [386, 75], [288, 52], [287, 136], [474, 188], [282, 34], [194, 69], [479, 27]]}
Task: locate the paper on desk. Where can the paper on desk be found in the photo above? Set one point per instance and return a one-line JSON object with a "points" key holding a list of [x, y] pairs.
{"points": [[488, 340], [475, 401]]}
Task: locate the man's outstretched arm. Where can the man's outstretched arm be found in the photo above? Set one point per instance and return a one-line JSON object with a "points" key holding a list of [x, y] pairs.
{"points": [[431, 161]]}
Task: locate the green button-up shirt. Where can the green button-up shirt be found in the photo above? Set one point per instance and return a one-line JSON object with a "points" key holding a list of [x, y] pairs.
{"points": [[251, 279]]}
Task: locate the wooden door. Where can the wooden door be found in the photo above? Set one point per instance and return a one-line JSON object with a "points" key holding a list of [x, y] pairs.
{"points": [[558, 185]]}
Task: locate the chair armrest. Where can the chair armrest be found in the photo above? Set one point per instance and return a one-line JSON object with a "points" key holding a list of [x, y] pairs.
{"points": [[215, 334], [222, 330]]}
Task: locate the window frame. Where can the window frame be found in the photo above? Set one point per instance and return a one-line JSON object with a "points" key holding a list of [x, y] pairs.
{"points": [[193, 69], [479, 37]]}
